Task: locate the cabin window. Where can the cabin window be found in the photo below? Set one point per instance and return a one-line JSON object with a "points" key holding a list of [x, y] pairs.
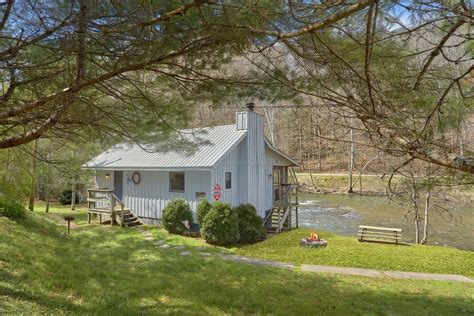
{"points": [[228, 180], [176, 181]]}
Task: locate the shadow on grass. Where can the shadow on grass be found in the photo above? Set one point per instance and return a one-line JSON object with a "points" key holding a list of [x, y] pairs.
{"points": [[115, 271]]}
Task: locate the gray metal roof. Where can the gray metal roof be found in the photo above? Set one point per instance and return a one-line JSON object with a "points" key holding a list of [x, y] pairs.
{"points": [[192, 149], [289, 161]]}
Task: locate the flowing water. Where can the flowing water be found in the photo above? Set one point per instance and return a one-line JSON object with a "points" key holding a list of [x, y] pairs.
{"points": [[344, 213]]}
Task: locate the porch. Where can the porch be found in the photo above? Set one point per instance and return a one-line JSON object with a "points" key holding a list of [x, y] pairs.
{"points": [[104, 204], [284, 212]]}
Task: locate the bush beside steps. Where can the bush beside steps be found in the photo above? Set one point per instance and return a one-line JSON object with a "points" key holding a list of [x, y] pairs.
{"points": [[219, 222]]}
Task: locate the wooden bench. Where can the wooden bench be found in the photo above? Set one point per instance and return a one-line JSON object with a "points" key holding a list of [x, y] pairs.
{"points": [[379, 234]]}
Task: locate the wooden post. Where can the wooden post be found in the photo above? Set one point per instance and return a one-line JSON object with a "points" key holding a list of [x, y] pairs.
{"points": [[88, 217], [122, 215], [112, 209], [100, 219]]}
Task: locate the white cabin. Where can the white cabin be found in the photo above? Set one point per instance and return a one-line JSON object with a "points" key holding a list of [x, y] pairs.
{"points": [[231, 163]]}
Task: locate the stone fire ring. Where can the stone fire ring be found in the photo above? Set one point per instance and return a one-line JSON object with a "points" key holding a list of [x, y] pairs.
{"points": [[313, 243]]}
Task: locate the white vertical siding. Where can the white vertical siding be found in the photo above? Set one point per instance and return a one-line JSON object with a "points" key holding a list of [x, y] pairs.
{"points": [[256, 162], [148, 198], [230, 163], [102, 182]]}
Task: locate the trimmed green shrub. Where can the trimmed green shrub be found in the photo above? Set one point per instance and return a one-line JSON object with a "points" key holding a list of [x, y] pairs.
{"points": [[221, 225], [11, 209], [250, 224], [203, 208], [66, 196], [174, 214]]}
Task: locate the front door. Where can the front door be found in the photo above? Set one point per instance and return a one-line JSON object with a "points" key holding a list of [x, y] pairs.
{"points": [[118, 184]]}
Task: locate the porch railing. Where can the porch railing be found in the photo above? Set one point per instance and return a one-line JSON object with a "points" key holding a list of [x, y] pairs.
{"points": [[105, 202]]}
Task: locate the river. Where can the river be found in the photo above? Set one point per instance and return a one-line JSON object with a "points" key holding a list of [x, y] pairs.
{"points": [[343, 214]]}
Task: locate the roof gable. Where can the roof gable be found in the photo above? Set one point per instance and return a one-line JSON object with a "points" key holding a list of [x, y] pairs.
{"points": [[289, 162]]}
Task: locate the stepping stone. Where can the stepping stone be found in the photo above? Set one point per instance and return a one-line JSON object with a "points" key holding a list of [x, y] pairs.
{"points": [[149, 238], [200, 248], [164, 246], [179, 247], [185, 253], [205, 253], [160, 242]]}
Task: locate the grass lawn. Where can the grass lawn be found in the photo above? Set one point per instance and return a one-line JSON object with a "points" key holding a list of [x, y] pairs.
{"points": [[348, 252], [112, 270], [339, 182]]}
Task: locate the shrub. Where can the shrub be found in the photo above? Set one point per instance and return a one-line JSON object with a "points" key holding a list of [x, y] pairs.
{"points": [[174, 214], [220, 225], [250, 224], [203, 208], [11, 209], [66, 196]]}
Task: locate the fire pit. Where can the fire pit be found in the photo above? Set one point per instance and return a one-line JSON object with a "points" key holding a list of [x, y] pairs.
{"points": [[313, 241]]}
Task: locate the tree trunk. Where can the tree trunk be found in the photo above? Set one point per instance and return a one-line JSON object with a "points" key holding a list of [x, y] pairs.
{"points": [[31, 203], [415, 211], [351, 161], [73, 194], [47, 202], [425, 226], [417, 228]]}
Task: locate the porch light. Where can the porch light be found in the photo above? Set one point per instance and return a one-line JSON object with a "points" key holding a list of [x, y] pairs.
{"points": [[107, 176]]}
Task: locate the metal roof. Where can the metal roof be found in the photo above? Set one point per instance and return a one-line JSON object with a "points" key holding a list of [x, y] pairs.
{"points": [[289, 161], [192, 149]]}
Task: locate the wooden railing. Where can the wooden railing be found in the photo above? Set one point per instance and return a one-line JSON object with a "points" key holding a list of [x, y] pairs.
{"points": [[104, 201]]}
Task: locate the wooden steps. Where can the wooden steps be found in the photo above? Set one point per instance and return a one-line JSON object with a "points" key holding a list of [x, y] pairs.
{"points": [[104, 202], [129, 218], [277, 220]]}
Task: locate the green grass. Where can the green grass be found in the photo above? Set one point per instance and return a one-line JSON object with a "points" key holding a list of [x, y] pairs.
{"points": [[111, 270], [372, 184], [339, 182], [346, 251]]}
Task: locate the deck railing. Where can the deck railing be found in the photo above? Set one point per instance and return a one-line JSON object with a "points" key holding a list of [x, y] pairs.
{"points": [[105, 202]]}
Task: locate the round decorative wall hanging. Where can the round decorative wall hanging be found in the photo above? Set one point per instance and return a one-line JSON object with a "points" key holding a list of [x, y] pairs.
{"points": [[136, 177]]}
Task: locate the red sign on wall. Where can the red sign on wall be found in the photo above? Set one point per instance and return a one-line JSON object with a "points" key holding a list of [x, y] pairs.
{"points": [[217, 192]]}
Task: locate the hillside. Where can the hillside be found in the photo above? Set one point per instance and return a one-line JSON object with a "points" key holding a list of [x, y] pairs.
{"points": [[101, 270]]}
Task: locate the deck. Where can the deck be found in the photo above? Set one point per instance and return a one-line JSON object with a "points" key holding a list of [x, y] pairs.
{"points": [[104, 204]]}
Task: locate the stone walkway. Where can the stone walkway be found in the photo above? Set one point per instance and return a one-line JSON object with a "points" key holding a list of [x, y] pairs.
{"points": [[200, 250], [382, 274]]}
